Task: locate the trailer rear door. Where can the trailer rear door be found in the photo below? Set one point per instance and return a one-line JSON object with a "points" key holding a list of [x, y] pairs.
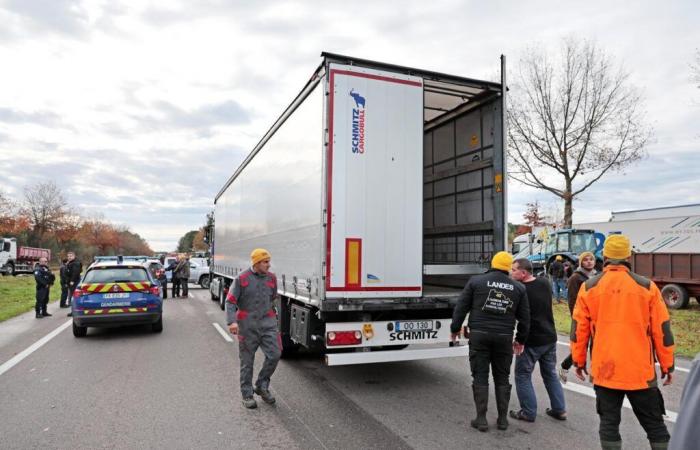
{"points": [[374, 183]]}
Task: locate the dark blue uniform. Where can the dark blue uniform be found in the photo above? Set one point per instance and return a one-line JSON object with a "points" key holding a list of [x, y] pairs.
{"points": [[44, 279]]}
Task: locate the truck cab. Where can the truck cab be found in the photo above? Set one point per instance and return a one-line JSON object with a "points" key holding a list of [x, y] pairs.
{"points": [[8, 255], [568, 243]]}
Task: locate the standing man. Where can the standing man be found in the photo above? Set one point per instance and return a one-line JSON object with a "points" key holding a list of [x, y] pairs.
{"points": [[494, 302], [628, 321], [556, 272], [63, 274], [182, 272], [585, 270], [250, 314], [175, 293], [75, 268], [44, 279], [540, 347]]}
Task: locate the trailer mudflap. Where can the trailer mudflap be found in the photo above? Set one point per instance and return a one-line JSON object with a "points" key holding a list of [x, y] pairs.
{"points": [[342, 359]]}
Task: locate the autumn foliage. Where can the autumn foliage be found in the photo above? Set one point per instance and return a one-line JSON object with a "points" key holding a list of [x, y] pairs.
{"points": [[43, 218]]}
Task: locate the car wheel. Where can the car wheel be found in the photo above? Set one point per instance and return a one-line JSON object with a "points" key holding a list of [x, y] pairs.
{"points": [[158, 326], [675, 296], [79, 331], [204, 281]]}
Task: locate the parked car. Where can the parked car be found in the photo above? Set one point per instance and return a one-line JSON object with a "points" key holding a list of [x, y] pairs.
{"points": [[199, 270], [117, 293]]}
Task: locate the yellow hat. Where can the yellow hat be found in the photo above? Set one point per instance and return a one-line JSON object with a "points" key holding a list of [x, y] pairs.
{"points": [[502, 261], [583, 255], [617, 246], [259, 254], [559, 258]]}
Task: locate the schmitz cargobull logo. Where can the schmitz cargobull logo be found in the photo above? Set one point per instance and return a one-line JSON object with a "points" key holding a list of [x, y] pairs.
{"points": [[358, 123]]}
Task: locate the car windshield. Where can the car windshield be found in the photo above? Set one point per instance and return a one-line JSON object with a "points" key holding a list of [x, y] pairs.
{"points": [[116, 275], [583, 242]]}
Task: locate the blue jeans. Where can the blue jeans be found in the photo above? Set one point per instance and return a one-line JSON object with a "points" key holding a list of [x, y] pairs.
{"points": [[546, 355], [559, 288]]}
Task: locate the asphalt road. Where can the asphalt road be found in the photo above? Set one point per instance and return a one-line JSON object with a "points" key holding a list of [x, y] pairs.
{"points": [[131, 388]]}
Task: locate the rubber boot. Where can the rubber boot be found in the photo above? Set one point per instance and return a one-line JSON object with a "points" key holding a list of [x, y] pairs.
{"points": [[481, 400], [502, 401], [611, 445], [659, 445]]}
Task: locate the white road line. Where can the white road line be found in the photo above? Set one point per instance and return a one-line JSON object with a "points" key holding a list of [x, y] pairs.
{"points": [[680, 369], [221, 331], [9, 364], [589, 392]]}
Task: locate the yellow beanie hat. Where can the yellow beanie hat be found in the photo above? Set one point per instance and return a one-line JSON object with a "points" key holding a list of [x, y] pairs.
{"points": [[617, 246], [559, 258], [259, 254], [502, 261], [583, 255]]}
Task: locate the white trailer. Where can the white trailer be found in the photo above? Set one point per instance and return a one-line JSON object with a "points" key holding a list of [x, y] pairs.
{"points": [[378, 192]]}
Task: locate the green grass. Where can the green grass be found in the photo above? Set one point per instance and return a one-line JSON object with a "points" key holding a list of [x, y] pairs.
{"points": [[18, 295], [685, 324]]}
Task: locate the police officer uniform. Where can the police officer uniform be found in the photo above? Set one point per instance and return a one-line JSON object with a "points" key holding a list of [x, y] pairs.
{"points": [[494, 302], [44, 279], [250, 304]]}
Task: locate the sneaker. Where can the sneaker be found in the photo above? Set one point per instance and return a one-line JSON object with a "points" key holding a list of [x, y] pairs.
{"points": [[563, 374], [250, 403], [265, 395]]}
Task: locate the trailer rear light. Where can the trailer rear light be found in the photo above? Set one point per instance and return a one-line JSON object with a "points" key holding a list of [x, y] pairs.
{"points": [[343, 337]]}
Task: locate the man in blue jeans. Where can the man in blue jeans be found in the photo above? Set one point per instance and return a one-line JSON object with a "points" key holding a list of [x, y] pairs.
{"points": [[540, 346], [558, 274]]}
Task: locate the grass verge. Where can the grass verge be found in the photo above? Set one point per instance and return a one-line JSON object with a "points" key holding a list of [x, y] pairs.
{"points": [[685, 324], [18, 295]]}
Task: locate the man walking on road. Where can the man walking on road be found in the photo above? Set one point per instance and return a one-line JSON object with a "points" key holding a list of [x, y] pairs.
{"points": [[540, 347], [182, 273], [556, 272], [250, 314], [75, 268], [627, 319], [494, 302], [44, 279]]}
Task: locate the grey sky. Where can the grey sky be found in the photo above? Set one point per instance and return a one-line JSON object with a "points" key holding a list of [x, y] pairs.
{"points": [[141, 110]]}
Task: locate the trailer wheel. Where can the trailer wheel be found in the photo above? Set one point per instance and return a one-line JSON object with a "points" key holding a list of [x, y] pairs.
{"points": [[675, 296], [10, 269], [204, 281], [222, 297]]}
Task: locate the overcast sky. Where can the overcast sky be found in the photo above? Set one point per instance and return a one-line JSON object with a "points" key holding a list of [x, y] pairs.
{"points": [[141, 110]]}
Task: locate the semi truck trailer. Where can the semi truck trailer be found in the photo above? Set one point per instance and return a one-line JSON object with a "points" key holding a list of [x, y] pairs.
{"points": [[378, 191]]}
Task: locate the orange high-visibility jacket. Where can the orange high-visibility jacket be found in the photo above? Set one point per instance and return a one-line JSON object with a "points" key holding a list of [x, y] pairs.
{"points": [[626, 317]]}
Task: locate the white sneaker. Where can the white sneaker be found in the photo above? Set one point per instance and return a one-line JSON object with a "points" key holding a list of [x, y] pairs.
{"points": [[563, 374]]}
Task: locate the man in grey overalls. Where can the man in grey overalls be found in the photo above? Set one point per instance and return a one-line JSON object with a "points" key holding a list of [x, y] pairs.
{"points": [[250, 314]]}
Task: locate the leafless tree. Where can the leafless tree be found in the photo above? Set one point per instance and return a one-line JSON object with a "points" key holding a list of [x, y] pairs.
{"points": [[572, 119], [46, 207]]}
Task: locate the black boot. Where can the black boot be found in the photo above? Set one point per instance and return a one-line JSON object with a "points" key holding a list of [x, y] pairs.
{"points": [[502, 400], [611, 445], [39, 316], [481, 400]]}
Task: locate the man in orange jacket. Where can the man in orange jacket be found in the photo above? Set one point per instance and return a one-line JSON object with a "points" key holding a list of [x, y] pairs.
{"points": [[626, 318]]}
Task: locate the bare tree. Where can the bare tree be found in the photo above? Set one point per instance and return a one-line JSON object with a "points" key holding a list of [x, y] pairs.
{"points": [[46, 207], [572, 120]]}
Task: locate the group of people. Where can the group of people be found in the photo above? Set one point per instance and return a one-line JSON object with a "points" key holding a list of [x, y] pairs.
{"points": [[69, 277], [180, 268], [617, 315]]}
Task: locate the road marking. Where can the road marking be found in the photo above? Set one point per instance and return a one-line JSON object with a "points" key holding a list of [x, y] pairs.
{"points": [[190, 295], [670, 416], [680, 369], [221, 331], [9, 364]]}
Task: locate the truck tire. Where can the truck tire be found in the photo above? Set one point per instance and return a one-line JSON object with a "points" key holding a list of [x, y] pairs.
{"points": [[79, 331], [10, 269], [158, 326], [222, 297], [284, 316], [204, 281], [675, 296]]}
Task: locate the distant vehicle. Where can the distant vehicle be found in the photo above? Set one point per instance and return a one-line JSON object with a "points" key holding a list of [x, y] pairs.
{"points": [[117, 293], [16, 259], [199, 270], [569, 244], [676, 274]]}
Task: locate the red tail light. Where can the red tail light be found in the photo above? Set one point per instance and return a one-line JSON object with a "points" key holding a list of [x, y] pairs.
{"points": [[155, 290], [343, 337], [79, 292]]}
